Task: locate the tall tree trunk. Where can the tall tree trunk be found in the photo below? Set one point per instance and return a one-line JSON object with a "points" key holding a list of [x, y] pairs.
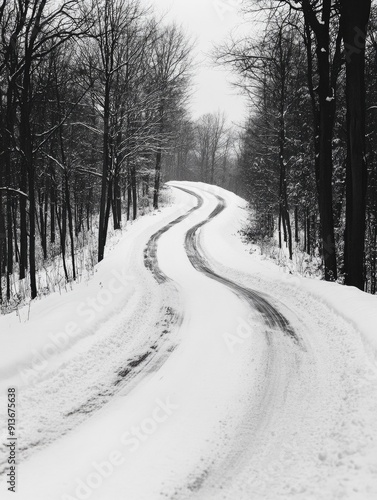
{"points": [[52, 212], [27, 172], [8, 137], [14, 224], [134, 192], [102, 233], [23, 222], [129, 190], [354, 20], [70, 224], [324, 116], [42, 225], [116, 203], [62, 225], [308, 234], [32, 256], [297, 239], [157, 177], [325, 162]]}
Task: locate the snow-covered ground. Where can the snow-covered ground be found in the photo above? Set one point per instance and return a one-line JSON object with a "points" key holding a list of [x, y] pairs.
{"points": [[224, 379]]}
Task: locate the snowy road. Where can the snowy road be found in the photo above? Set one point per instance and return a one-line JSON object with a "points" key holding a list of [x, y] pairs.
{"points": [[237, 384]]}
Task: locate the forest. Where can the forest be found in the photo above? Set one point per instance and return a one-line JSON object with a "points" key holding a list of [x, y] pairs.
{"points": [[90, 94], [95, 117], [308, 162]]}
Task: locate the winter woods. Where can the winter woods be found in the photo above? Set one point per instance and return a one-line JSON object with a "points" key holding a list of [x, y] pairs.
{"points": [[90, 94], [308, 148], [94, 118]]}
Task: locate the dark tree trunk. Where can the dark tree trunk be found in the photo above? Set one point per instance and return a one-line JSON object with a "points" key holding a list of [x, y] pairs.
{"points": [[42, 228], [308, 235], [32, 269], [8, 138], [354, 20], [279, 227], [88, 209], [23, 222], [62, 224], [117, 203], [134, 192], [157, 178], [70, 224], [52, 213], [325, 163], [102, 233], [108, 205], [129, 191], [14, 220], [27, 175], [156, 192], [324, 116]]}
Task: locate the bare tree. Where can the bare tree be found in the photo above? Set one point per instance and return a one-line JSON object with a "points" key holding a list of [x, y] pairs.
{"points": [[354, 20], [170, 66], [210, 138]]}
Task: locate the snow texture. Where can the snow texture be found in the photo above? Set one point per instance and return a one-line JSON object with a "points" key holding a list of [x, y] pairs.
{"points": [[133, 388]]}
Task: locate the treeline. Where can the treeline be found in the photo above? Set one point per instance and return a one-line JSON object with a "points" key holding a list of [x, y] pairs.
{"points": [[309, 149], [91, 92], [205, 150]]}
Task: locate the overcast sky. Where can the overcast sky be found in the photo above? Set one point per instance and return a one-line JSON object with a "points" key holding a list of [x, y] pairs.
{"points": [[204, 21]]}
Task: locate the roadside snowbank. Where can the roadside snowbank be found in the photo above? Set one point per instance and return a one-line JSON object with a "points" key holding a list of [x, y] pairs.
{"points": [[356, 307], [35, 339], [338, 325], [67, 359]]}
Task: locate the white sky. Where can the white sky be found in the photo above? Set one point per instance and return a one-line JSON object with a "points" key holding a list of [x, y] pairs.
{"points": [[208, 22]]}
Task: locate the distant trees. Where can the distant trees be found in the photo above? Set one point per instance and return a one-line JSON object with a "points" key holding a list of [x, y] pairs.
{"points": [[214, 148], [272, 74], [179, 160], [204, 150], [211, 136], [170, 65], [82, 85]]}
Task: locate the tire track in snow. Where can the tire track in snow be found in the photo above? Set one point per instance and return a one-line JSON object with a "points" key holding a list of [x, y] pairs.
{"points": [[150, 253], [276, 376], [152, 359], [272, 317], [147, 361], [154, 356], [158, 352]]}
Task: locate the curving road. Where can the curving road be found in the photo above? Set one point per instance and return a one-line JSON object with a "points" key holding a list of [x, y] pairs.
{"points": [[284, 347], [208, 384], [272, 317]]}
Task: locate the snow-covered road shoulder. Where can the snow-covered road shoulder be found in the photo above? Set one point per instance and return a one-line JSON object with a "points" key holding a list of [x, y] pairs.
{"points": [[340, 322]]}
